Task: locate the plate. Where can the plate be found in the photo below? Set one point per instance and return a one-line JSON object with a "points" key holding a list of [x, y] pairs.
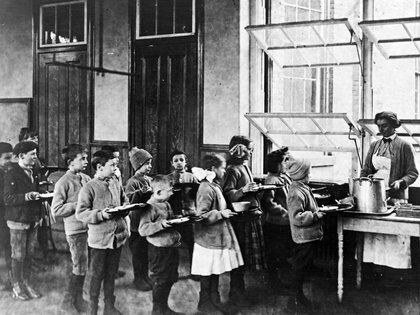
{"points": [[328, 208], [336, 208], [321, 196], [133, 206], [46, 195], [269, 187], [179, 220]]}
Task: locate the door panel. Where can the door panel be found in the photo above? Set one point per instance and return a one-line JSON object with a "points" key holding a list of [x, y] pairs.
{"points": [[62, 104], [165, 92]]}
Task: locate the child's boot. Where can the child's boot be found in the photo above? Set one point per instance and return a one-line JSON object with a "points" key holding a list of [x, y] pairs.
{"points": [[93, 306], [80, 304], [205, 304], [17, 289], [69, 297], [165, 299], [110, 308], [26, 274]]}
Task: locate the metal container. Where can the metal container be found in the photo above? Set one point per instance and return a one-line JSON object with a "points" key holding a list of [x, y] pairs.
{"points": [[369, 194]]}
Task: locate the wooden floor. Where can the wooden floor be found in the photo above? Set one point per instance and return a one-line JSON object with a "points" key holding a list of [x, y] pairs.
{"points": [[374, 298]]}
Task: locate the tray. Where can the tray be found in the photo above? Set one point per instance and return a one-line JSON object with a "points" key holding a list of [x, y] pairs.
{"points": [[388, 212], [46, 195], [336, 208], [179, 220], [321, 196], [130, 207], [270, 187]]}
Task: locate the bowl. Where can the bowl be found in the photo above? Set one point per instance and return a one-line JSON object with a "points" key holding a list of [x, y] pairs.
{"points": [[241, 206]]}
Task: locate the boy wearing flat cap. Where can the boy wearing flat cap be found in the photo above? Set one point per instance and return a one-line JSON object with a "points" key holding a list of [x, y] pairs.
{"points": [[23, 213], [138, 189]]}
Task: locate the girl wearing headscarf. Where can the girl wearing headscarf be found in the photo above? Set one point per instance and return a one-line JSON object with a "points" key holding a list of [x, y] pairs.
{"points": [[306, 228], [239, 185], [392, 159]]}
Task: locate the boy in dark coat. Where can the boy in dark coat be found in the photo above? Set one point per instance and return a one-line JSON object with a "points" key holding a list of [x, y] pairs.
{"points": [[23, 214], [6, 154]]}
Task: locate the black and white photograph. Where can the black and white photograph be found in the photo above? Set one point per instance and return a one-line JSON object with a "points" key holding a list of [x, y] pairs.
{"points": [[222, 157]]}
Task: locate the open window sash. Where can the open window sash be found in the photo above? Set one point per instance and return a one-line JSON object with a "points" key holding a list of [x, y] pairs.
{"points": [[409, 130], [307, 131], [320, 43], [394, 38]]}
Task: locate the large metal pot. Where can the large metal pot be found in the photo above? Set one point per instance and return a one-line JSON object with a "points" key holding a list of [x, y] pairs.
{"points": [[369, 194]]}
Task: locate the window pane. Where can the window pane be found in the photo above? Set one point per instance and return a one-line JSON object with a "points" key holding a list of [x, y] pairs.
{"points": [[63, 25], [147, 17], [183, 16], [316, 4], [303, 3], [48, 24], [303, 15], [77, 22], [290, 14], [165, 16]]}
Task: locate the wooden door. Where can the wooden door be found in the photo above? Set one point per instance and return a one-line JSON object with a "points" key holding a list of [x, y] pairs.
{"points": [[62, 111], [166, 111]]}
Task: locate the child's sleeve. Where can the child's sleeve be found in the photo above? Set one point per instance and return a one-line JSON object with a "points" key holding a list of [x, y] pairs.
{"points": [[148, 224], [297, 214], [135, 193], [84, 211], [59, 206], [10, 196], [124, 198], [269, 203], [230, 184], [205, 205]]}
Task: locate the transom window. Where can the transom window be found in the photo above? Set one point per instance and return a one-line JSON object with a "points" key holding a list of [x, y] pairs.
{"points": [[165, 18], [63, 24]]}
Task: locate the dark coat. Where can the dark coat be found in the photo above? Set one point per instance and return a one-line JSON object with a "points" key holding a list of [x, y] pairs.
{"points": [[236, 177], [16, 185], [403, 165]]}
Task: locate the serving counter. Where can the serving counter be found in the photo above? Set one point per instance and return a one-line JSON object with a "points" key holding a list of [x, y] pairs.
{"points": [[368, 223]]}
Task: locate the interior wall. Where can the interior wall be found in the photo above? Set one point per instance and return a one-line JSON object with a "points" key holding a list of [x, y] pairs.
{"points": [[14, 115], [111, 90], [221, 71], [16, 49]]}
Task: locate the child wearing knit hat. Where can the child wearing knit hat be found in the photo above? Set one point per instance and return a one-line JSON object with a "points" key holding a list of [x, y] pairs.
{"points": [[306, 228], [138, 189]]}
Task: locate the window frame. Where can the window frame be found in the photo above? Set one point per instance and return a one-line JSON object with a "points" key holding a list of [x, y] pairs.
{"points": [[193, 26], [56, 4]]}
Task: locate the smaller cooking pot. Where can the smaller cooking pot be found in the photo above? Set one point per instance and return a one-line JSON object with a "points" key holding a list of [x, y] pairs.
{"points": [[369, 194]]}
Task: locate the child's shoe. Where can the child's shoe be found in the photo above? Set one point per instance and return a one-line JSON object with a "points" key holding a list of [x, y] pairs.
{"points": [[93, 307], [32, 293], [110, 308], [80, 304], [19, 293], [142, 284]]}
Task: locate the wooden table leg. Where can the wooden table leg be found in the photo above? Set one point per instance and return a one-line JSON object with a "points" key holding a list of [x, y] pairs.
{"points": [[340, 288], [359, 256]]}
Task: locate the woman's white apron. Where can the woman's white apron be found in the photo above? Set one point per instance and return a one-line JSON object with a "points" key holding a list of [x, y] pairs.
{"points": [[384, 249]]}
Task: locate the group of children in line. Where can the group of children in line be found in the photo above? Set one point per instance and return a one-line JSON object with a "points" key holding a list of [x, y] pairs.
{"points": [[220, 240]]}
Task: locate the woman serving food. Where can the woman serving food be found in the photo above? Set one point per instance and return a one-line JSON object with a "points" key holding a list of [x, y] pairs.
{"points": [[392, 159]]}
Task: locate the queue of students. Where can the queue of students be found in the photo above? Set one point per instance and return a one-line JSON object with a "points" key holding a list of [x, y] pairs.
{"points": [[282, 226]]}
